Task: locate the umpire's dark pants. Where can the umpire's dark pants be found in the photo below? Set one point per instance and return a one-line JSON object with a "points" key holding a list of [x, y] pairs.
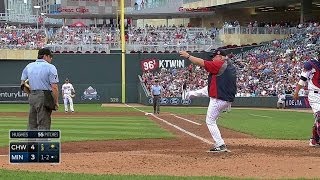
{"points": [[39, 115], [156, 103]]}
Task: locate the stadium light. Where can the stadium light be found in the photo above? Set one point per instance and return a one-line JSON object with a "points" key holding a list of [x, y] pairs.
{"points": [[37, 8]]}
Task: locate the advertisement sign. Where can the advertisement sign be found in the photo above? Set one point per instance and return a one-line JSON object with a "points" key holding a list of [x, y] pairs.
{"points": [[301, 102], [198, 9], [90, 94], [12, 94], [152, 64], [172, 101]]}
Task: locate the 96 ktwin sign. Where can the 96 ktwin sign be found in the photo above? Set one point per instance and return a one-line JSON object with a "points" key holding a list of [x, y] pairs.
{"points": [[153, 64]]}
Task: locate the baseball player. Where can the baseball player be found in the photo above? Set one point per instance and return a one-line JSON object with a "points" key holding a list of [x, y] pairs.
{"points": [[156, 91], [184, 91], [68, 93], [281, 101], [221, 90], [311, 76]]}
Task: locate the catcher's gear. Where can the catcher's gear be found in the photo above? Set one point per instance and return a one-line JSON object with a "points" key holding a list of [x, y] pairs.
{"points": [[26, 87]]}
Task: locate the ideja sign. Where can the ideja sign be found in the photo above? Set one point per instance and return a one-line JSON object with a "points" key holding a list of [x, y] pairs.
{"points": [[198, 9], [73, 10]]}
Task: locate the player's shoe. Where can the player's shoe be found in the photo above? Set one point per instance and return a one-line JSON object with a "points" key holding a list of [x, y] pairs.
{"points": [[314, 143], [222, 148]]}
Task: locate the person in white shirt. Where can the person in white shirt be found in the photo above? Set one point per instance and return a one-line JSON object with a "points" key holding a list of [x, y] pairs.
{"points": [[68, 92], [281, 101]]}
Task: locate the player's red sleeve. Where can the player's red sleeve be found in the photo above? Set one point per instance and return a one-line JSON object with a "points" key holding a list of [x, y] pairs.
{"points": [[213, 66]]}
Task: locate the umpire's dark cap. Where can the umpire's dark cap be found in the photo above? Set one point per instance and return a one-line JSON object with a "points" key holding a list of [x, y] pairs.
{"points": [[45, 51], [219, 52]]}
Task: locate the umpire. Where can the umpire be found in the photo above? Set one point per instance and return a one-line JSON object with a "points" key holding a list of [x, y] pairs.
{"points": [[44, 93], [156, 95]]}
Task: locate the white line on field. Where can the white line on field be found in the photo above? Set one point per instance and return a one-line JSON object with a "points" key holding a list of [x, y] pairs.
{"points": [[260, 116], [186, 119], [135, 108], [175, 126], [4, 155]]}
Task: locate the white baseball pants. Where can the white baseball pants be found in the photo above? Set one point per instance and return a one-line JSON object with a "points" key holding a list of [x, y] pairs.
{"points": [[214, 109], [67, 98], [314, 100]]}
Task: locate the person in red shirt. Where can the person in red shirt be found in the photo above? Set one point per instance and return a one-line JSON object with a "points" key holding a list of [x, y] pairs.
{"points": [[221, 90]]}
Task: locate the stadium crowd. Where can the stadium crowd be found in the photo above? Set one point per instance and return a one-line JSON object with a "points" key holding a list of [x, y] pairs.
{"points": [[150, 36], [263, 71], [21, 37]]}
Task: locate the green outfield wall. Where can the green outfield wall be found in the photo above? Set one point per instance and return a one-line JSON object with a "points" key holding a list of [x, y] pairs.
{"points": [[96, 77]]}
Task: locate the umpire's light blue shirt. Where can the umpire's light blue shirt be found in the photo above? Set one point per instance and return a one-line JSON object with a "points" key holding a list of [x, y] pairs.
{"points": [[155, 89], [41, 75]]}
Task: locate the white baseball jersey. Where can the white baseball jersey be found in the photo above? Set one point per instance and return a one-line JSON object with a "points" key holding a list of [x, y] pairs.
{"points": [[281, 98], [67, 88], [311, 74]]}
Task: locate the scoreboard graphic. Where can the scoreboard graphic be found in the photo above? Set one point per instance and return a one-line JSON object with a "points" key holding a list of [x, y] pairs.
{"points": [[34, 147]]}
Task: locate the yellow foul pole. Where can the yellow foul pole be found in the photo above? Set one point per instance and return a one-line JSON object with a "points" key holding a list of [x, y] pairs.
{"points": [[123, 52]]}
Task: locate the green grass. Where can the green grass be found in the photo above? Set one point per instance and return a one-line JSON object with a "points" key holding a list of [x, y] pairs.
{"points": [[93, 128], [7, 174], [78, 107], [272, 124], [269, 124]]}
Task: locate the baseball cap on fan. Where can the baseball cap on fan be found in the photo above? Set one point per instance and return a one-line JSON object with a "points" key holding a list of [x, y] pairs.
{"points": [[219, 52]]}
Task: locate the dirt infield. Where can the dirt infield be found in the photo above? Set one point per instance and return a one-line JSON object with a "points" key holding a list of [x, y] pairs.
{"points": [[183, 155]]}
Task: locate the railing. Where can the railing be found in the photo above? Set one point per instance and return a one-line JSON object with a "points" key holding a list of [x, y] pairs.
{"points": [[22, 18], [168, 48], [79, 48], [130, 47], [258, 30], [147, 93], [164, 6]]}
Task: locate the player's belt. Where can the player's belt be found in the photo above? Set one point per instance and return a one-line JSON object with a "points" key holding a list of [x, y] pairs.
{"points": [[39, 91], [316, 92]]}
